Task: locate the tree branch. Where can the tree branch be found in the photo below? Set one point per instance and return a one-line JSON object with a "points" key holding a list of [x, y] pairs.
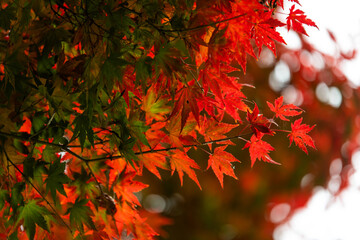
{"points": [[169, 149], [87, 160], [204, 25], [87, 164]]}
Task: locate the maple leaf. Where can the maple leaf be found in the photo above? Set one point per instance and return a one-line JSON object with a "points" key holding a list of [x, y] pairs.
{"points": [[296, 19], [283, 111], [80, 214], [33, 214], [280, 3], [154, 161], [213, 79], [178, 137], [258, 122], [99, 233], [233, 102], [187, 102], [259, 149], [299, 135], [220, 162], [212, 83], [214, 130], [296, 1], [26, 127], [156, 221], [155, 107], [244, 48], [264, 32], [180, 162], [56, 178], [128, 221], [125, 187]]}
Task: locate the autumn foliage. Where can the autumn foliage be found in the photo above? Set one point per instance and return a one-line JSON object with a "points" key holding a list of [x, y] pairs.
{"points": [[95, 93]]}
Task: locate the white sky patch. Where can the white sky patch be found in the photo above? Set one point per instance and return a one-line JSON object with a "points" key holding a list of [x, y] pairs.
{"points": [[340, 17], [327, 217]]}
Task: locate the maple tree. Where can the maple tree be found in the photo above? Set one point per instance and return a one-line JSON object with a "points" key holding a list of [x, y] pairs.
{"points": [[95, 92], [247, 208]]}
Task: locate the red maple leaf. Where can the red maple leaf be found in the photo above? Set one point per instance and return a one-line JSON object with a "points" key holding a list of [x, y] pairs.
{"points": [[280, 3], [220, 162], [283, 111], [259, 123], [178, 136], [233, 101], [180, 162], [264, 32], [296, 1], [187, 102], [296, 19], [211, 82], [259, 149], [244, 48], [26, 127], [299, 135]]}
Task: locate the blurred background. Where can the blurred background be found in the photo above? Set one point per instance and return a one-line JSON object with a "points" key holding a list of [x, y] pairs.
{"points": [[314, 196]]}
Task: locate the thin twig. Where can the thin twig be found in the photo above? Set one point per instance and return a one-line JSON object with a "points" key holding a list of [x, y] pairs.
{"points": [[193, 75], [65, 148], [30, 138], [87, 164], [43, 128], [169, 149], [204, 25]]}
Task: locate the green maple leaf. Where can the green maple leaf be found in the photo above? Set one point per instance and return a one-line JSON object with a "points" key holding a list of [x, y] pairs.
{"points": [[3, 196], [56, 179], [83, 184], [80, 214], [138, 128], [83, 129], [33, 214]]}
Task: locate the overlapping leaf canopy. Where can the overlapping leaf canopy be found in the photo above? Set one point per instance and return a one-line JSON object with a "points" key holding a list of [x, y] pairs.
{"points": [[93, 92]]}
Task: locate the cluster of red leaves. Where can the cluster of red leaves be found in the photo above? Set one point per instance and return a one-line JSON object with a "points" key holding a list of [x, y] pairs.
{"points": [[192, 100]]}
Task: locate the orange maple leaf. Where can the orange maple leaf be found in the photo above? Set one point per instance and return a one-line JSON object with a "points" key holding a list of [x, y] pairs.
{"points": [[126, 188], [180, 162], [214, 130], [259, 149], [299, 135], [128, 220], [154, 161], [220, 162]]}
